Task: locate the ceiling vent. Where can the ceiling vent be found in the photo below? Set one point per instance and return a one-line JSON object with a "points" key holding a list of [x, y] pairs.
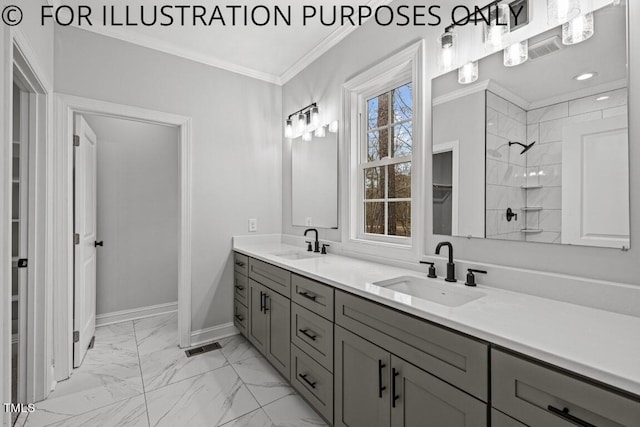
{"points": [[545, 47]]}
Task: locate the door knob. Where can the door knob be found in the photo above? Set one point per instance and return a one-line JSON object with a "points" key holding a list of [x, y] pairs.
{"points": [[100, 243]]}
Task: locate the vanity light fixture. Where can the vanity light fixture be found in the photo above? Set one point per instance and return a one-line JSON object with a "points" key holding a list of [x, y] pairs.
{"points": [[302, 122], [561, 11], [585, 76], [578, 29], [315, 116], [497, 27], [447, 42], [288, 129], [516, 54], [468, 73]]}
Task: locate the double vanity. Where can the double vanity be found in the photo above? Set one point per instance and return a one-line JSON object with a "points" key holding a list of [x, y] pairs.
{"points": [[374, 345]]}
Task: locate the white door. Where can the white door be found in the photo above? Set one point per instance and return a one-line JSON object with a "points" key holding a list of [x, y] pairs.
{"points": [[84, 319], [595, 183]]}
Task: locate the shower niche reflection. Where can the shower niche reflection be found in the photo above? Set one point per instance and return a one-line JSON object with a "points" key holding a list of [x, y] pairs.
{"points": [[538, 152]]}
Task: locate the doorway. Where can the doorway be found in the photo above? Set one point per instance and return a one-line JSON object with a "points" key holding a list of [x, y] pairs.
{"points": [[68, 109], [126, 219]]}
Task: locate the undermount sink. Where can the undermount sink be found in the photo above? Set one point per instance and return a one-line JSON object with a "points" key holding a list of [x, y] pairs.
{"points": [[431, 290], [293, 255]]}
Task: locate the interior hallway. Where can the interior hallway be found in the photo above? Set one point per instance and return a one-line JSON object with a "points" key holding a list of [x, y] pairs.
{"points": [[136, 375]]}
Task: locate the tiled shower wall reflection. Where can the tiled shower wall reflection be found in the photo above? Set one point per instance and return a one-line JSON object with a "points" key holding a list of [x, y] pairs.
{"points": [[505, 168], [542, 163]]}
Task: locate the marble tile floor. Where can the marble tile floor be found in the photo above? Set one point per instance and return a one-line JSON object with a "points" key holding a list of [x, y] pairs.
{"points": [[137, 376]]}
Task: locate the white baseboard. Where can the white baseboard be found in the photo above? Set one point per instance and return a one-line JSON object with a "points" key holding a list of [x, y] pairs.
{"points": [[213, 333], [136, 313]]}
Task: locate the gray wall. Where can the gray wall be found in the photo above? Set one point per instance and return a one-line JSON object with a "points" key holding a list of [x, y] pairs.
{"points": [[138, 214], [322, 82], [237, 148]]}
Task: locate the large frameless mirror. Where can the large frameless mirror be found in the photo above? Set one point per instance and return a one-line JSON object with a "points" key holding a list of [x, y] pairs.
{"points": [[538, 152]]}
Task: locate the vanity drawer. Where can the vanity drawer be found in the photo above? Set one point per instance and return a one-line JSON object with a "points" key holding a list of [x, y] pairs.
{"points": [[313, 334], [534, 394], [241, 263], [313, 382], [454, 358], [241, 288], [270, 276], [240, 317], [312, 295]]}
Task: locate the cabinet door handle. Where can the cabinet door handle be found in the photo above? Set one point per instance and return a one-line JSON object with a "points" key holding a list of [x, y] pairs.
{"points": [[381, 388], [239, 317], [564, 413], [312, 384], [307, 295], [265, 303], [261, 301], [393, 387], [240, 263], [306, 333]]}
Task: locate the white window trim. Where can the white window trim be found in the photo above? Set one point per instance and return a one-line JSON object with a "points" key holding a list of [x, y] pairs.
{"points": [[406, 65]]}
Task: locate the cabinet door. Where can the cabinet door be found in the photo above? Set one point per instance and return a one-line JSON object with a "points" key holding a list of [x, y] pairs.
{"points": [[278, 309], [361, 384], [419, 399], [257, 317]]}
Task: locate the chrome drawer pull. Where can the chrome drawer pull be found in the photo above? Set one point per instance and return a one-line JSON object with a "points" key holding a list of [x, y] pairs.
{"points": [[564, 413], [312, 384], [307, 334]]}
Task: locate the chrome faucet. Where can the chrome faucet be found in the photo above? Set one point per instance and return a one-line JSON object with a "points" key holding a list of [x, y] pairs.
{"points": [[316, 243], [451, 267]]}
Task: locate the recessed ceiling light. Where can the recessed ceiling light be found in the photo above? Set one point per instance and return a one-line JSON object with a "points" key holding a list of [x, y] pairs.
{"points": [[602, 98], [585, 76]]}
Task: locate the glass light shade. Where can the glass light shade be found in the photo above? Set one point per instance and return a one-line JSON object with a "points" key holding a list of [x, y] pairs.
{"points": [[516, 54], [333, 126], [497, 28], [301, 123], [315, 116], [288, 129], [578, 29], [447, 42], [307, 136], [468, 73], [561, 11], [320, 132]]}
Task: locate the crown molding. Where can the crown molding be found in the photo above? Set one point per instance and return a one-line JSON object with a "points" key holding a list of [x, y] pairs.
{"points": [[151, 43], [325, 45]]}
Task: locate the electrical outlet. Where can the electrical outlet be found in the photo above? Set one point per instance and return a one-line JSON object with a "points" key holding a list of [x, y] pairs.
{"points": [[307, 221], [253, 225]]}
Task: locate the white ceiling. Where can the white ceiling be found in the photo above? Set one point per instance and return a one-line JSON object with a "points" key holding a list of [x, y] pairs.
{"points": [[271, 53]]}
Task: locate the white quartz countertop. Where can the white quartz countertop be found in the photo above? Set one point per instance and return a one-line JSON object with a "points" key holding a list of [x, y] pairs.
{"points": [[598, 344]]}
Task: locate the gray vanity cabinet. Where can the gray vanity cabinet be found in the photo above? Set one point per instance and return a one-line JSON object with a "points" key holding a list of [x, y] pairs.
{"points": [[241, 293], [422, 400], [361, 381], [374, 387], [538, 395]]}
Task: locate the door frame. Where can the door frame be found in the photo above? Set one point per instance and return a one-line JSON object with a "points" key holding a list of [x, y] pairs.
{"points": [[66, 106], [454, 148], [19, 63]]}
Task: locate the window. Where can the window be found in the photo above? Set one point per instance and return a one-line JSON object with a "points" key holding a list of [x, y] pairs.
{"points": [[381, 189], [385, 163]]}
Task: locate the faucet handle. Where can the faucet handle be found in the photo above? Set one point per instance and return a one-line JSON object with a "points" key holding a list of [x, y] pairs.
{"points": [[432, 269], [324, 248], [309, 246], [471, 278]]}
